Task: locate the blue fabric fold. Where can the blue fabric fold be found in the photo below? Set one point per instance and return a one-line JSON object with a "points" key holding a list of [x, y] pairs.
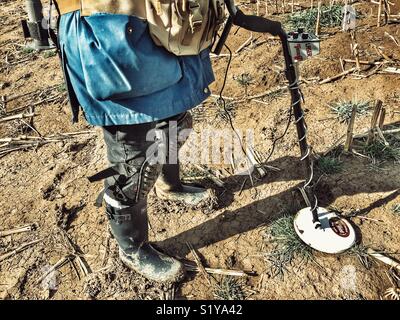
{"points": [[120, 76]]}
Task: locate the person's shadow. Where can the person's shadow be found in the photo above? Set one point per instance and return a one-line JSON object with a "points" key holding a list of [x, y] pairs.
{"points": [[354, 180]]}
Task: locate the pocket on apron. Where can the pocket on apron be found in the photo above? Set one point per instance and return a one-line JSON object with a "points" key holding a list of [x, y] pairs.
{"points": [[120, 60]]}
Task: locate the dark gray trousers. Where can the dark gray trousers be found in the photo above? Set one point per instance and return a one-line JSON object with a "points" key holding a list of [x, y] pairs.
{"points": [[137, 155]]}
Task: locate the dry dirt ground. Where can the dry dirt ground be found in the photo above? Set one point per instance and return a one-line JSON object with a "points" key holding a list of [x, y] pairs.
{"points": [[47, 186]]}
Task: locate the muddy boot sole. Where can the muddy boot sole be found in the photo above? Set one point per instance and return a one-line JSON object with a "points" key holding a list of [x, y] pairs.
{"points": [[174, 274]]}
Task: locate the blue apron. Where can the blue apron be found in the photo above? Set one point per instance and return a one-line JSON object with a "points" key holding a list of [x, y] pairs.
{"points": [[119, 76]]}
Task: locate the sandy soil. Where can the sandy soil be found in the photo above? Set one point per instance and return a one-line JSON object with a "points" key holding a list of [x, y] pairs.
{"points": [[47, 185]]}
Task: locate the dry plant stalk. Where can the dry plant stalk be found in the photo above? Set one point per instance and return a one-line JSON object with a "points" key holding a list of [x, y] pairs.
{"points": [[392, 293], [19, 249], [60, 263], [335, 144], [386, 11], [360, 154], [390, 131], [393, 38], [354, 49], [252, 157], [10, 144], [378, 24], [29, 140], [341, 61], [381, 136], [259, 95], [18, 116], [75, 254], [17, 96], [350, 129], [374, 120], [381, 53], [198, 262], [82, 265], [168, 293], [245, 43], [226, 272], [392, 70], [27, 228], [364, 62], [317, 25], [330, 79], [382, 118], [389, 261]]}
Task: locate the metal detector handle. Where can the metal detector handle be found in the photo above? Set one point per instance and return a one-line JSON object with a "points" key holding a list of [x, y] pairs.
{"points": [[257, 24], [253, 23]]}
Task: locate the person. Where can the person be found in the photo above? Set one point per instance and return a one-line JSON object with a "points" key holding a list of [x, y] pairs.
{"points": [[135, 90]]}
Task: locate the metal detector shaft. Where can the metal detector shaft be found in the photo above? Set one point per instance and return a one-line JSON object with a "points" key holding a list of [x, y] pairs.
{"points": [[260, 24], [301, 126]]}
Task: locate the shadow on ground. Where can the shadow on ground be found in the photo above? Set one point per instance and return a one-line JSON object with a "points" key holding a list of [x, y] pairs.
{"points": [[261, 212]]}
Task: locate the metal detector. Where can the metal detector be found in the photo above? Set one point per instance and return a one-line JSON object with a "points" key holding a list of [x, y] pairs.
{"points": [[321, 229]]}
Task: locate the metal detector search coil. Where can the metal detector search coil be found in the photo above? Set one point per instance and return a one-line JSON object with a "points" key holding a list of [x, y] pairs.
{"points": [[303, 45]]}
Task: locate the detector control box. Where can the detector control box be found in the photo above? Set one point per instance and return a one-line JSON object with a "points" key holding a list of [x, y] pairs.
{"points": [[303, 45]]}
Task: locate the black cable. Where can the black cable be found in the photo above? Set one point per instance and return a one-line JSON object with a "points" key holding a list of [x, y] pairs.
{"points": [[283, 135], [220, 98], [222, 101]]}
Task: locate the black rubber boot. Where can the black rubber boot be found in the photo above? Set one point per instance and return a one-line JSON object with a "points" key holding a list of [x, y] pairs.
{"points": [[129, 225], [170, 187]]}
